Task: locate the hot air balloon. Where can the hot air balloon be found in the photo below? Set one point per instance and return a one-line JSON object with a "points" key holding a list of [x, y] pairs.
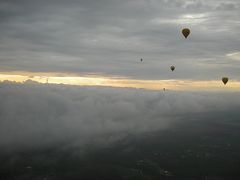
{"points": [[225, 80], [141, 59], [186, 32], [172, 68]]}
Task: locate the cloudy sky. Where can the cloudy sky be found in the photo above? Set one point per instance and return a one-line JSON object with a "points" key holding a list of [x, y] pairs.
{"points": [[105, 39]]}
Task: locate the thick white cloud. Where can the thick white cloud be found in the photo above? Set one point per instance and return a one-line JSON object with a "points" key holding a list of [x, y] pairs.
{"points": [[235, 56], [36, 115]]}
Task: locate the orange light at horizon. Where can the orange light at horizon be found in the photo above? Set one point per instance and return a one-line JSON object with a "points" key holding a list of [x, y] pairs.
{"points": [[171, 84]]}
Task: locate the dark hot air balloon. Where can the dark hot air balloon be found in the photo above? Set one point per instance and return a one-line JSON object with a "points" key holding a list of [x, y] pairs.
{"points": [[172, 68], [225, 80], [186, 32]]}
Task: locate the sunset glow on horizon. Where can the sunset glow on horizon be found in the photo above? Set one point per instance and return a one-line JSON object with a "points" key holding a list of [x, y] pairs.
{"points": [[121, 82]]}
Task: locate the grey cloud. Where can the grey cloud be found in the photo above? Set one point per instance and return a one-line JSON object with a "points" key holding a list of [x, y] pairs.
{"points": [[227, 6], [34, 115], [109, 37]]}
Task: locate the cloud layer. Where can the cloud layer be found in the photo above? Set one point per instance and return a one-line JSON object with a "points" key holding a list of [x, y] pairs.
{"points": [[35, 115], [109, 37]]}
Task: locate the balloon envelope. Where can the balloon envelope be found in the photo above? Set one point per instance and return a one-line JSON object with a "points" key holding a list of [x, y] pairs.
{"points": [[172, 68], [225, 80], [186, 32]]}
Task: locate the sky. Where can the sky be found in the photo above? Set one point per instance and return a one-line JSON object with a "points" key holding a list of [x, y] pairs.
{"points": [[105, 39]]}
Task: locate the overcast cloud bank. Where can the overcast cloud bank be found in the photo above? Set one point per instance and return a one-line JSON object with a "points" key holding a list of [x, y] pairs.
{"points": [[109, 37], [40, 115]]}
